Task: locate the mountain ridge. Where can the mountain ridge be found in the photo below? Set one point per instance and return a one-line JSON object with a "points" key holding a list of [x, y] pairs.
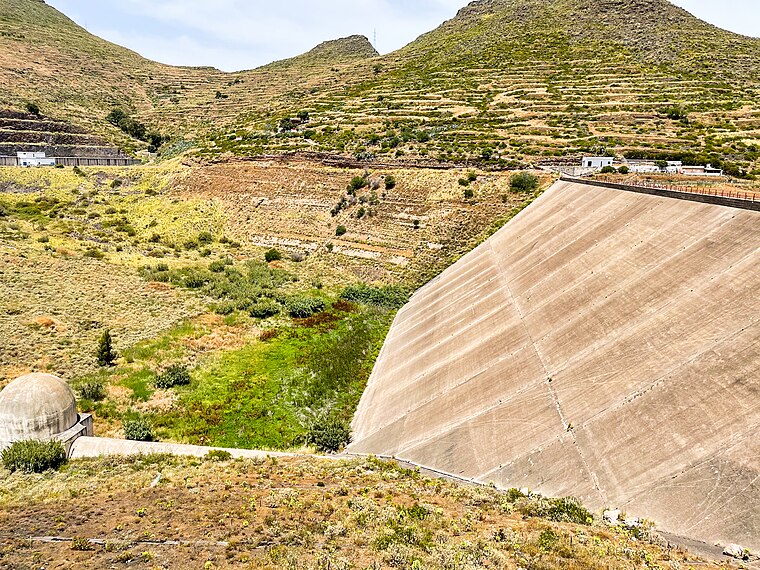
{"points": [[504, 81]]}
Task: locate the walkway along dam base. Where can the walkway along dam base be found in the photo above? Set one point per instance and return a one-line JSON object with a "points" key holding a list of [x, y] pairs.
{"points": [[604, 344]]}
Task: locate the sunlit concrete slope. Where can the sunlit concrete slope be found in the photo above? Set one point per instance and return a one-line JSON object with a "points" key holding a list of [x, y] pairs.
{"points": [[604, 344]]}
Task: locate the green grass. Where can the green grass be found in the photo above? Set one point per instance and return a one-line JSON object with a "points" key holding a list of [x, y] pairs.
{"points": [[265, 394]]}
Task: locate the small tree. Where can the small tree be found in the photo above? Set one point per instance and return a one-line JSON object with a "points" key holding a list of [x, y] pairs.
{"points": [[105, 353], [624, 170], [341, 230]]}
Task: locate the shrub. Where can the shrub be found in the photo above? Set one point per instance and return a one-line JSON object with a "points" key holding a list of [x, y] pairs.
{"points": [[138, 430], [33, 109], [264, 309], [391, 296], [609, 170], [464, 182], [390, 182], [302, 307], [357, 183], [105, 353], [92, 390], [116, 183], [328, 433], [175, 375], [523, 182], [567, 509], [218, 455], [624, 170], [34, 456], [340, 231], [469, 194], [94, 253], [272, 255], [81, 544]]}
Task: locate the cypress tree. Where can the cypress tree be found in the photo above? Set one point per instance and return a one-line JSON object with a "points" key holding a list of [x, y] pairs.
{"points": [[105, 353]]}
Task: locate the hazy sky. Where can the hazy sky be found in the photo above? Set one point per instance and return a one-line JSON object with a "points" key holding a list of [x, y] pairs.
{"points": [[242, 34]]}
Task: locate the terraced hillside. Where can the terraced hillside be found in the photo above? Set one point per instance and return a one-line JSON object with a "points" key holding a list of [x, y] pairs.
{"points": [[534, 80], [406, 230], [505, 82], [25, 132], [603, 344]]}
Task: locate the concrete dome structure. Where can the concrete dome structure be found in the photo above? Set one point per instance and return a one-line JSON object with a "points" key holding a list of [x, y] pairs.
{"points": [[40, 407]]}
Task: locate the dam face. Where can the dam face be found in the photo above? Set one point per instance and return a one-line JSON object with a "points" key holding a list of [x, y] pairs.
{"points": [[604, 344]]}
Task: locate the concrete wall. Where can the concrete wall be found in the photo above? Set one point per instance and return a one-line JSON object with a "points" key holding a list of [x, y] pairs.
{"points": [[100, 446], [76, 161], [604, 344]]}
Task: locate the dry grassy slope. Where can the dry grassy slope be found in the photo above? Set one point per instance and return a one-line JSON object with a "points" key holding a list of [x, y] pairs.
{"points": [[295, 513], [288, 203]]}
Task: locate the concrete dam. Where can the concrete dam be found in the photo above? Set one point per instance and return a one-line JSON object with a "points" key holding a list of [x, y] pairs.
{"points": [[605, 344]]}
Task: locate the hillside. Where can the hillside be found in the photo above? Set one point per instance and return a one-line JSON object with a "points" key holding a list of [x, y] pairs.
{"points": [[299, 513], [505, 82]]}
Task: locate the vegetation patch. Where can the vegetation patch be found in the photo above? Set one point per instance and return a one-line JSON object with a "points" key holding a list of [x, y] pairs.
{"points": [[33, 456]]}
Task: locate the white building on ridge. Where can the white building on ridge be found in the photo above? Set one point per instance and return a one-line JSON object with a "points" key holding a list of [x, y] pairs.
{"points": [[34, 159]]}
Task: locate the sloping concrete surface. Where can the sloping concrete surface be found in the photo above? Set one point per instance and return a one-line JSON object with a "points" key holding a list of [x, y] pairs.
{"points": [[604, 344]]}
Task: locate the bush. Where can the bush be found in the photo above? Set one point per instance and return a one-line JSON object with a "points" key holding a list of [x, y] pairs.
{"points": [[464, 182], [302, 307], [92, 390], [390, 297], [138, 430], [175, 375], [105, 353], [357, 183], [523, 182], [34, 456], [94, 253], [469, 194], [609, 170], [264, 309], [390, 182], [568, 509], [218, 455], [340, 231], [33, 109], [205, 238], [328, 433], [624, 170], [272, 255]]}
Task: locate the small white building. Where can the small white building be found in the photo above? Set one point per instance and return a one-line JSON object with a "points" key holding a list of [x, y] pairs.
{"points": [[708, 170], [597, 161], [34, 159]]}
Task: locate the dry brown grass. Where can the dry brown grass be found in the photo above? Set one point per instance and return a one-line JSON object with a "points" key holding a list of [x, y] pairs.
{"points": [[296, 513]]}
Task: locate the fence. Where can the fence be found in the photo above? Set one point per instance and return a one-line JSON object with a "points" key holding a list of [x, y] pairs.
{"points": [[722, 197]]}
